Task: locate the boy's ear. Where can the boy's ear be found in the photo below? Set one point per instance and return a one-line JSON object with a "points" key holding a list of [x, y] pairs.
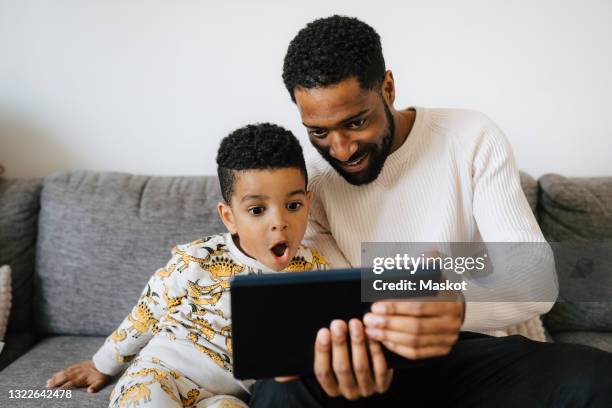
{"points": [[227, 216]]}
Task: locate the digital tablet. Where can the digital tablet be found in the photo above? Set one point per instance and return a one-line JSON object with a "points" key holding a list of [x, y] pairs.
{"points": [[275, 317]]}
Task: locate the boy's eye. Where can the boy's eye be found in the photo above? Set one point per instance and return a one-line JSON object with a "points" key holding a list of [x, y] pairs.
{"points": [[294, 206], [356, 124], [318, 133], [256, 210]]}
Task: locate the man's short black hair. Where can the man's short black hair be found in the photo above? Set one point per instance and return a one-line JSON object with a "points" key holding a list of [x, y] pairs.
{"points": [[257, 147], [332, 49]]}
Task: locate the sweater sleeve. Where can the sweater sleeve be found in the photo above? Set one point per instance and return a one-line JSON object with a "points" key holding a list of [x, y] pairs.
{"points": [[318, 235], [502, 214], [161, 294]]}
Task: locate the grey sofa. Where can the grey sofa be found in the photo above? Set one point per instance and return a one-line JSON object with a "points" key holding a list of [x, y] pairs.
{"points": [[83, 244]]}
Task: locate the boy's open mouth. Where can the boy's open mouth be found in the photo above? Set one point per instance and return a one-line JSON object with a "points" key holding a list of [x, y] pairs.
{"points": [[280, 249]]}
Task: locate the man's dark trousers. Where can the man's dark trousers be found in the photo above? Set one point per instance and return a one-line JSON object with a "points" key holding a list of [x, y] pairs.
{"points": [[480, 371]]}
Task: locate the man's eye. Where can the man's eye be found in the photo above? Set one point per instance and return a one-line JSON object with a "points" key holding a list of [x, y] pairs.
{"points": [[256, 210], [294, 206], [356, 124], [318, 133]]}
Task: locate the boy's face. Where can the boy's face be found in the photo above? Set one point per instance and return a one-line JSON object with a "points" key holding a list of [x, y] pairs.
{"points": [[269, 213]]}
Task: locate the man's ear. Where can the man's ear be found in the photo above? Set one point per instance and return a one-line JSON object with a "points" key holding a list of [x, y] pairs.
{"points": [[388, 88], [227, 216]]}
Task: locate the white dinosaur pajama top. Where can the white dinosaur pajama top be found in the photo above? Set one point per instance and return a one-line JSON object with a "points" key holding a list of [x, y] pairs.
{"points": [[182, 318]]}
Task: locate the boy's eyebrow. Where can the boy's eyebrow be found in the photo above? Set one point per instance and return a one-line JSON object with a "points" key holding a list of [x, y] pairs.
{"points": [[254, 197], [355, 116], [295, 192]]}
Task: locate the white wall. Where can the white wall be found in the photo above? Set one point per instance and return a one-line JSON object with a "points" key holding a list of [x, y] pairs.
{"points": [[152, 86]]}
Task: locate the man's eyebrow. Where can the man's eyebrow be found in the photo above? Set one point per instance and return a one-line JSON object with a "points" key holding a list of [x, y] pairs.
{"points": [[355, 116], [296, 192], [254, 197]]}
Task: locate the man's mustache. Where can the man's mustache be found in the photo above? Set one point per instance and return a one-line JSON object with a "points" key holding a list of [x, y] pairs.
{"points": [[362, 149]]}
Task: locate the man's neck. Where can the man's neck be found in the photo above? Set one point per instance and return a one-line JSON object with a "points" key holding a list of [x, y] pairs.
{"points": [[404, 120]]}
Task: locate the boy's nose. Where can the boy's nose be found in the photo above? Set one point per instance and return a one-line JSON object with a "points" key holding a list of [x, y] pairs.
{"points": [[279, 226]]}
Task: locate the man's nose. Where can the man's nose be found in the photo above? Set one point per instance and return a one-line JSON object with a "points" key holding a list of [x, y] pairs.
{"points": [[342, 148]]}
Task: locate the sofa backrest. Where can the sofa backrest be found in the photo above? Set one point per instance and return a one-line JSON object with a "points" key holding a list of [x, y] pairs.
{"points": [[101, 237]]}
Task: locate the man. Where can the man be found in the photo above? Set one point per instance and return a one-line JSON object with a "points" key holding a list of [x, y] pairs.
{"points": [[417, 175]]}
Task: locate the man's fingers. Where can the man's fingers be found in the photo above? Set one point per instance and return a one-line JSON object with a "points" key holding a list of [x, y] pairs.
{"points": [[322, 364], [412, 340], [417, 308], [413, 325], [382, 374], [341, 361], [416, 353], [359, 354]]}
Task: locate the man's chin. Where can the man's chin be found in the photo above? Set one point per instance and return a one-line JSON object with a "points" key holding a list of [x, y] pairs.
{"points": [[357, 179]]}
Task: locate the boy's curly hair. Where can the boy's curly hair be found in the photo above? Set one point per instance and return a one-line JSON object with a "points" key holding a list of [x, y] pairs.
{"points": [[332, 49], [257, 147]]}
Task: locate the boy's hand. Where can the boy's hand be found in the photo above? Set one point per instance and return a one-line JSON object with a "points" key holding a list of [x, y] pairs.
{"points": [[83, 374]]}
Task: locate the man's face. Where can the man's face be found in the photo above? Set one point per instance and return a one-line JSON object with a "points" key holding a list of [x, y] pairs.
{"points": [[268, 213], [352, 128]]}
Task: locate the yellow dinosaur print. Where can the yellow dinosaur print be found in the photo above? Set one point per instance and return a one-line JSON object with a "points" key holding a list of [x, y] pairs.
{"points": [[227, 332], [298, 263], [212, 300], [165, 272], [123, 359], [192, 396], [216, 357], [205, 328], [185, 258], [118, 335], [133, 395], [317, 259], [223, 268], [197, 242], [159, 376], [143, 320], [196, 290], [171, 302]]}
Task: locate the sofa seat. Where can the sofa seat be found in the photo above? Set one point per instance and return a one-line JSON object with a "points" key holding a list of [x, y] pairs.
{"points": [[48, 356]]}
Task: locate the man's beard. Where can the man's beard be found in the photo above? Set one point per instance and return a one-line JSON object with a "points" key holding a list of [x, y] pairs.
{"points": [[377, 155]]}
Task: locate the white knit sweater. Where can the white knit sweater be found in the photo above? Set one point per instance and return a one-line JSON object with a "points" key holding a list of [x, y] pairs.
{"points": [[454, 179]]}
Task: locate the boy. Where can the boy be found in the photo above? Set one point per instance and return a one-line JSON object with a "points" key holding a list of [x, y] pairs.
{"points": [[178, 336]]}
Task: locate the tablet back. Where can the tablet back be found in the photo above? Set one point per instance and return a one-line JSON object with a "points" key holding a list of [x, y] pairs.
{"points": [[275, 319]]}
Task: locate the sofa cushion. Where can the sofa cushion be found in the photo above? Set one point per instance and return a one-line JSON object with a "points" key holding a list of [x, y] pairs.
{"points": [[101, 237], [602, 341], [19, 204], [48, 356], [575, 209], [578, 213]]}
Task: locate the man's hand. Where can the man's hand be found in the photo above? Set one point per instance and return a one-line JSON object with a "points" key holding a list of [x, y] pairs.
{"points": [[83, 374], [416, 329], [351, 375]]}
